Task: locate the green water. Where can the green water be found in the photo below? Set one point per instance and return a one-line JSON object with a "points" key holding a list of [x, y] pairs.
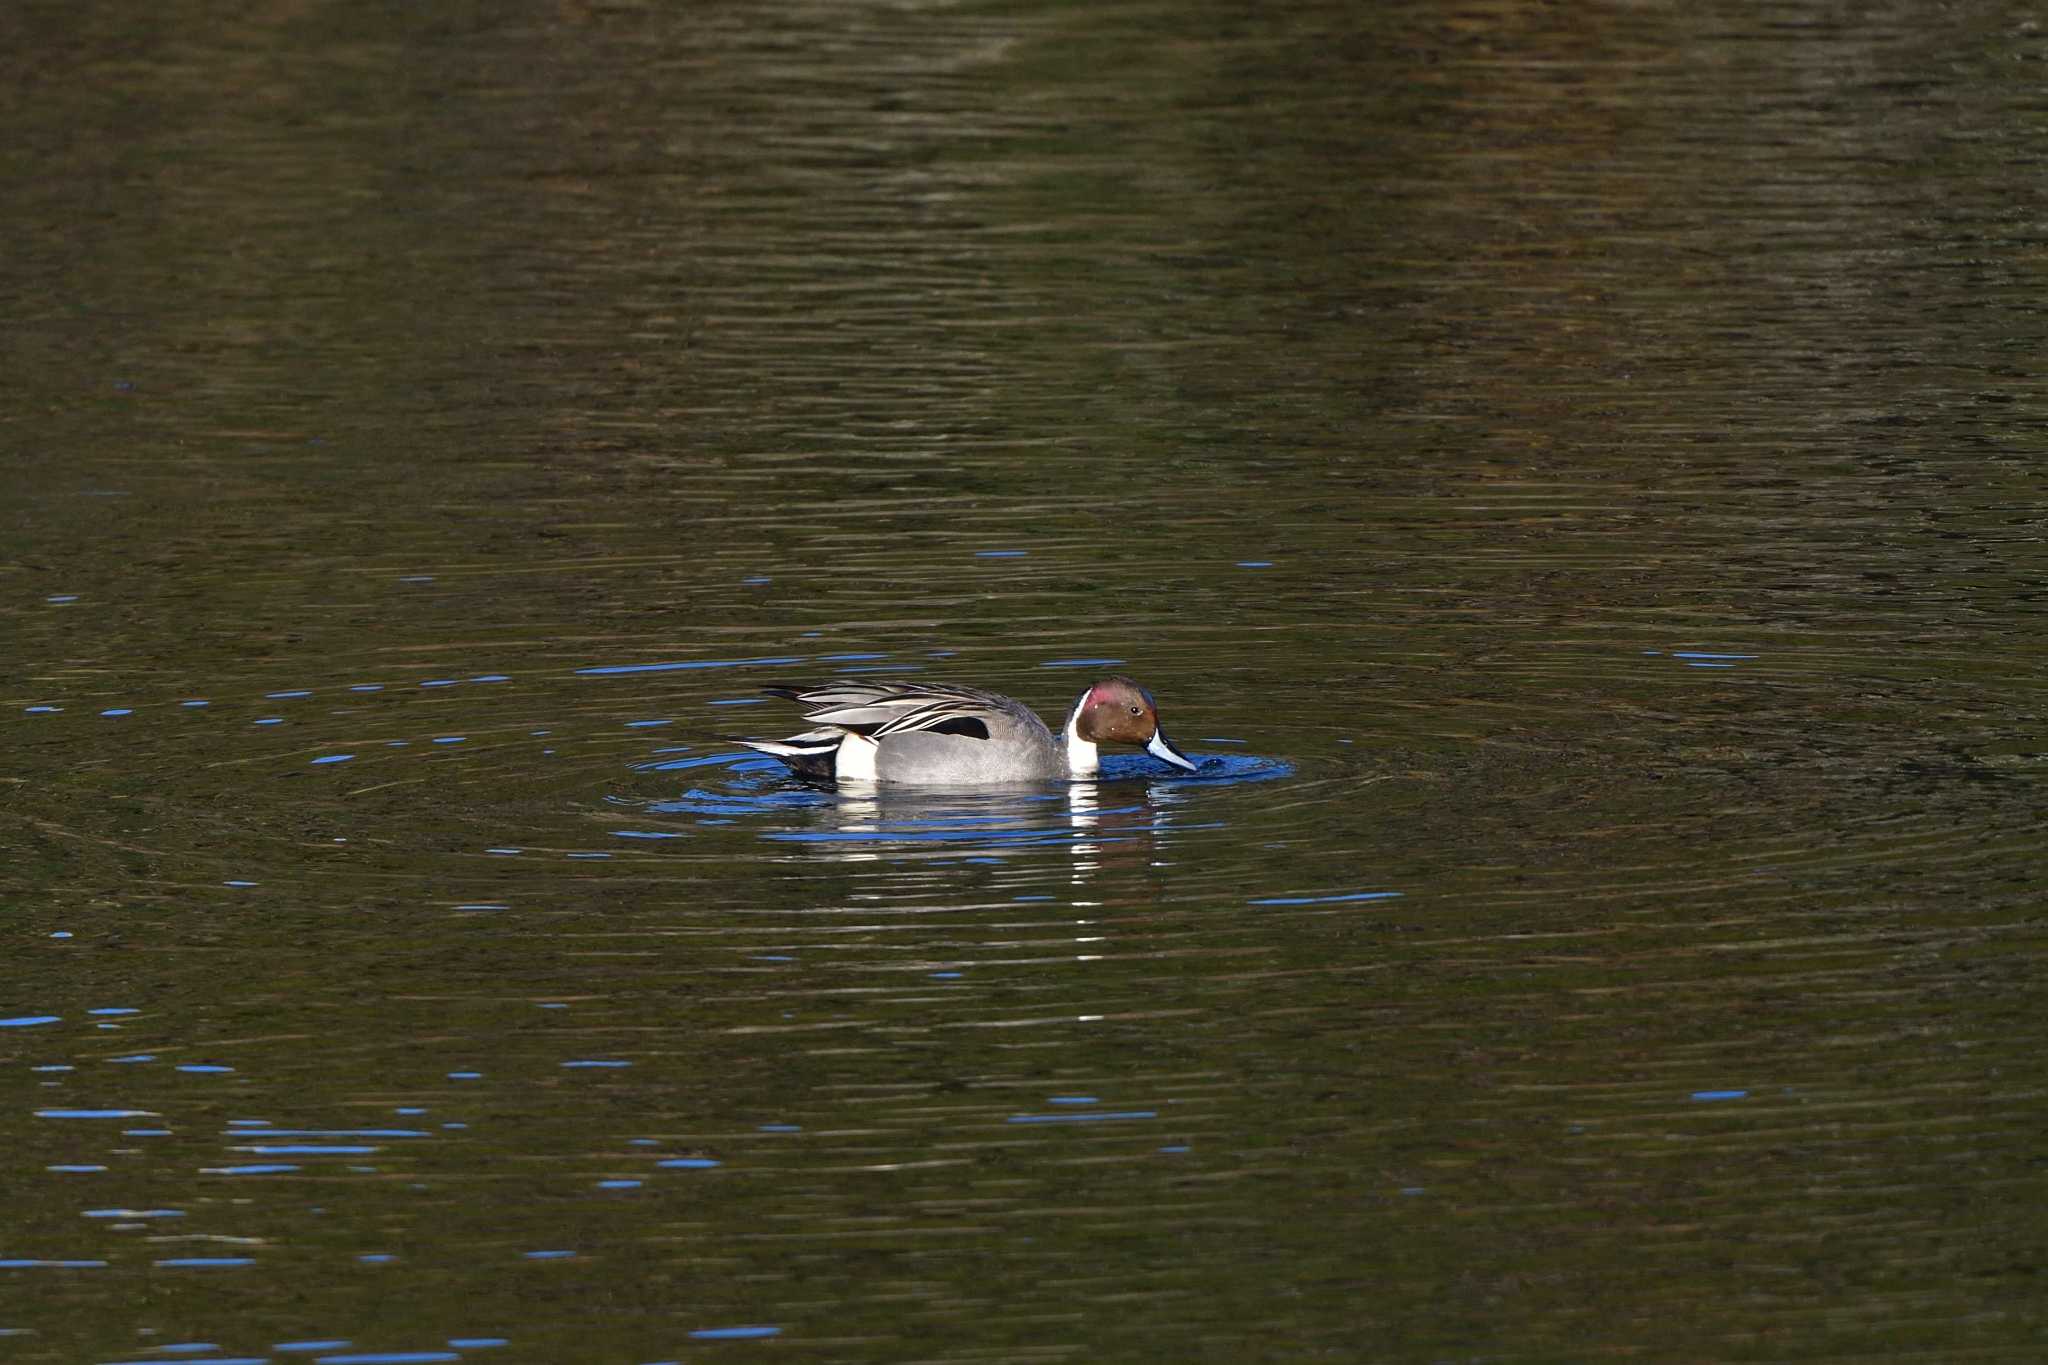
{"points": [[1575, 474]]}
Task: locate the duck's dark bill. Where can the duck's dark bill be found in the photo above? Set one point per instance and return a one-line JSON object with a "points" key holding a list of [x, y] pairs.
{"points": [[1160, 748]]}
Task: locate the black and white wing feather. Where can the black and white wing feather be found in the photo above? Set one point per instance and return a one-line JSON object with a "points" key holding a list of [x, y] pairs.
{"points": [[876, 709]]}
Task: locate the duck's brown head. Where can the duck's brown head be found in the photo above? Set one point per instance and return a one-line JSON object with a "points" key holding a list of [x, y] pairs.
{"points": [[1118, 711]]}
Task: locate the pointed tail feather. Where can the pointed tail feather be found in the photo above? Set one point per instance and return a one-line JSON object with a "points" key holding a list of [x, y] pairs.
{"points": [[811, 754]]}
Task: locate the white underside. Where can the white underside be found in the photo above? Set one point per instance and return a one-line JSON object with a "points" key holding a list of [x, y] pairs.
{"points": [[855, 761]]}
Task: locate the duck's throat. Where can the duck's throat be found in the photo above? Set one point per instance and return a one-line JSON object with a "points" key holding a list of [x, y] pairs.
{"points": [[1083, 759]]}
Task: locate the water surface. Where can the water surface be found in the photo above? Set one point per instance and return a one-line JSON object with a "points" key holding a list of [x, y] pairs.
{"points": [[1575, 475]]}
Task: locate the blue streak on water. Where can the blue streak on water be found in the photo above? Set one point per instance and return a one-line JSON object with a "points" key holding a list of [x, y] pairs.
{"points": [[280, 696], [196, 701], [689, 1163], [134, 1213], [334, 758], [42, 710], [74, 1170], [114, 1009], [547, 1255], [137, 1059], [119, 711], [734, 1333], [1328, 900], [852, 658], [366, 687], [1254, 563], [257, 1168], [1703, 654], [647, 724], [206, 1262], [28, 1264], [270, 1132], [95, 1114], [308, 1149], [451, 739], [1080, 663], [206, 1069], [740, 701], [1709, 1096], [614, 669], [594, 1064], [30, 1020], [1072, 1099], [648, 834], [476, 1343]]}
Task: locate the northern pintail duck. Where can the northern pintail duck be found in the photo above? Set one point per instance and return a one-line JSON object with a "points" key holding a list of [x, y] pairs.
{"points": [[945, 734]]}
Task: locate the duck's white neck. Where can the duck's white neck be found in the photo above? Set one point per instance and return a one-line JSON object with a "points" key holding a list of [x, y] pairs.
{"points": [[1083, 760]]}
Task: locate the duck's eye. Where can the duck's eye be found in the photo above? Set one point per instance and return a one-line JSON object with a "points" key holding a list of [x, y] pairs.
{"points": [[1137, 710]]}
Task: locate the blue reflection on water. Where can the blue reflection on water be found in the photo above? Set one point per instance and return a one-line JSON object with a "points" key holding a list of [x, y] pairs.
{"points": [[734, 1333], [266, 1168], [613, 669]]}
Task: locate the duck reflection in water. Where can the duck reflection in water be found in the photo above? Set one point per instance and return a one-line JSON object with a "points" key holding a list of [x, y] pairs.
{"points": [[1117, 826]]}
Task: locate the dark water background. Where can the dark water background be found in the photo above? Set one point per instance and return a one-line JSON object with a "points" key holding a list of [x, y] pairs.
{"points": [[1576, 471]]}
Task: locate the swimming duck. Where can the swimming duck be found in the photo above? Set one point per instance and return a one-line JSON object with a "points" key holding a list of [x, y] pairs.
{"points": [[946, 734]]}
